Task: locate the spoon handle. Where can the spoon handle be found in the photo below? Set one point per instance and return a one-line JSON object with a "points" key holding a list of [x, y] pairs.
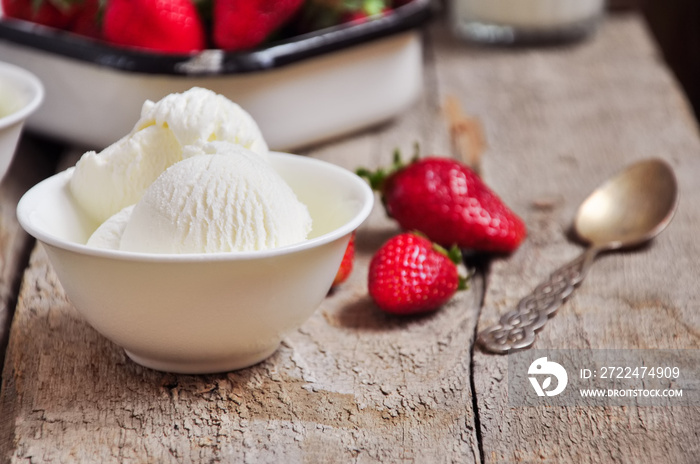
{"points": [[516, 329]]}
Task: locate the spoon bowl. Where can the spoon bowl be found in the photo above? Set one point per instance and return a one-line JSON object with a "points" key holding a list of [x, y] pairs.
{"points": [[627, 210], [630, 208]]}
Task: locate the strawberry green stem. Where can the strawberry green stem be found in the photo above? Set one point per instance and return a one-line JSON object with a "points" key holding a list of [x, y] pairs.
{"points": [[376, 179], [373, 7], [463, 282], [455, 255]]}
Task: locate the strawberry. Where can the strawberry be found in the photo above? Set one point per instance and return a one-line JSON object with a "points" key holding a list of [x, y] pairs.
{"points": [[78, 16], [52, 13], [87, 21], [245, 24], [169, 26], [445, 200], [348, 261], [409, 274]]}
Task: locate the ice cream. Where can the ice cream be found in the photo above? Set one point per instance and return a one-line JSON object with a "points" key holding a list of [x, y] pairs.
{"points": [[221, 197], [109, 234], [229, 200], [200, 115], [106, 182], [193, 176]]}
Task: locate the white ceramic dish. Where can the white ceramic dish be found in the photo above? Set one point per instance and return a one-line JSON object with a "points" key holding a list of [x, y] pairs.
{"points": [[21, 93], [300, 92], [201, 313]]}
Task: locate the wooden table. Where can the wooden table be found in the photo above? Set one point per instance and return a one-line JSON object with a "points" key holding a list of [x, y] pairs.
{"points": [[354, 385]]}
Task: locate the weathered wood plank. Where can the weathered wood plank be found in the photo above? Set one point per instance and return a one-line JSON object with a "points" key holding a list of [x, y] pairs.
{"points": [[32, 163], [559, 121], [352, 385]]}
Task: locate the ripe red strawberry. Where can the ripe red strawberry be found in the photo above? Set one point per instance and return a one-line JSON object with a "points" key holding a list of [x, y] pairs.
{"points": [[245, 24], [87, 21], [449, 203], [409, 275], [346, 265], [170, 26], [53, 13]]}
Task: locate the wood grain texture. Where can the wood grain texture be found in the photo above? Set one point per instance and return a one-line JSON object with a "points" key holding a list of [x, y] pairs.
{"points": [[32, 163], [354, 385]]}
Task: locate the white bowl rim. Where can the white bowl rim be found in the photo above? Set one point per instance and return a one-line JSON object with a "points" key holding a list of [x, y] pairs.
{"points": [[346, 228], [31, 106]]}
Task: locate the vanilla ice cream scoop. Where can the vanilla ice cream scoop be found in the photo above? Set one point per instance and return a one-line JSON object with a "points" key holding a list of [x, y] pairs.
{"points": [[201, 115], [217, 203], [109, 234], [106, 182]]}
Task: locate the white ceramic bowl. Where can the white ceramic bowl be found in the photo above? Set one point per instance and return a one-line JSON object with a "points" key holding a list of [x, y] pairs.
{"points": [[202, 313], [21, 93]]}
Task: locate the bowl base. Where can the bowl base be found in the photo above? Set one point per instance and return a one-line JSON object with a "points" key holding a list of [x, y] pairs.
{"points": [[204, 366]]}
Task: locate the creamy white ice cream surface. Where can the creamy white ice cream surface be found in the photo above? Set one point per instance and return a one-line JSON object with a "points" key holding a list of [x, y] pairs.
{"points": [[106, 182], [109, 234], [200, 115], [220, 198]]}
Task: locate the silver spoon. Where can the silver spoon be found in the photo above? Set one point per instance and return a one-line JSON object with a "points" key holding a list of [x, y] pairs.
{"points": [[627, 210]]}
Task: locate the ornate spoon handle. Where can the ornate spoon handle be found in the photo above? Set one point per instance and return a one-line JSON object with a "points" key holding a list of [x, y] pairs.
{"points": [[516, 329]]}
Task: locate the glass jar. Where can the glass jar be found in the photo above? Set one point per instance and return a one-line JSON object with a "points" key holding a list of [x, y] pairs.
{"points": [[525, 21]]}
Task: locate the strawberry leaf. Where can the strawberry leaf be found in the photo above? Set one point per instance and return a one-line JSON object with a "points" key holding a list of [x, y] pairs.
{"points": [[374, 178], [377, 178], [455, 254], [463, 282], [373, 7]]}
